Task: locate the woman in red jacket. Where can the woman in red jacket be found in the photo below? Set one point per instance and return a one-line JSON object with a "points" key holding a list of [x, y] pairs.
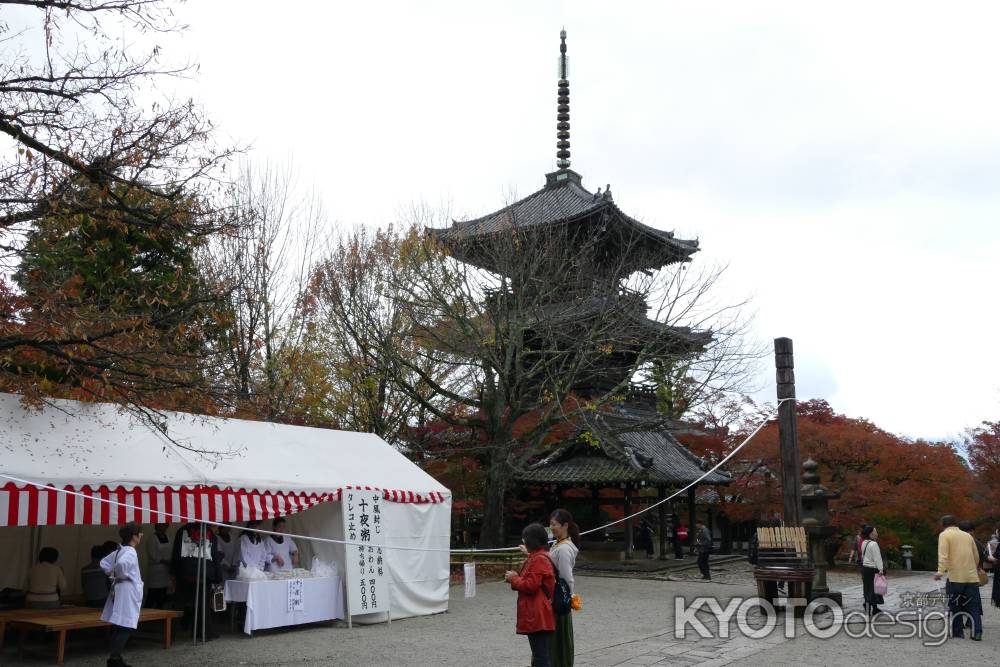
{"points": [[535, 584]]}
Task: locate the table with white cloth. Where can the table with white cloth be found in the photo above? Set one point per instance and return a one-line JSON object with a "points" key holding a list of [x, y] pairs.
{"points": [[267, 601]]}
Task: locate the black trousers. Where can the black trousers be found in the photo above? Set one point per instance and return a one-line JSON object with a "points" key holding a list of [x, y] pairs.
{"points": [[187, 598], [703, 564], [678, 550], [119, 637], [539, 643], [872, 601], [964, 603]]}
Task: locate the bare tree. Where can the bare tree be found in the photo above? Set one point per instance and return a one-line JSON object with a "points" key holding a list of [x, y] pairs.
{"points": [[355, 317], [555, 329], [93, 161], [264, 268]]}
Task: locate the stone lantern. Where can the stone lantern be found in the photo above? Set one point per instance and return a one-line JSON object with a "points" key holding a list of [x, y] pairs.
{"points": [[816, 520], [908, 555]]}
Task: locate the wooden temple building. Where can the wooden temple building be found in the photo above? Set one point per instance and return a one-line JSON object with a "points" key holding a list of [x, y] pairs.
{"points": [[630, 448]]}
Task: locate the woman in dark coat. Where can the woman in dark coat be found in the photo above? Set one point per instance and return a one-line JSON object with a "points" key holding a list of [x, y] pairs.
{"points": [[871, 564], [535, 584]]}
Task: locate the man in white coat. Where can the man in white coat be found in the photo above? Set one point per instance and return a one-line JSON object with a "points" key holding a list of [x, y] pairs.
{"points": [[125, 599]]}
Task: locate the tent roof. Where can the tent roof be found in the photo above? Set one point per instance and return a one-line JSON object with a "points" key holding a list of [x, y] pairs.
{"points": [[69, 443]]}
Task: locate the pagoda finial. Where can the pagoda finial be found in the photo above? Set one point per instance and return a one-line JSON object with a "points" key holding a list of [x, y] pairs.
{"points": [[562, 127]]}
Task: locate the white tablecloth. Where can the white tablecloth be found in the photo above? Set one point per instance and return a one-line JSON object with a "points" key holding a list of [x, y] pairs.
{"points": [[267, 602]]}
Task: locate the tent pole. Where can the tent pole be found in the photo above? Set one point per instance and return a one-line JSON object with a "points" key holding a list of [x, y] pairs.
{"points": [[197, 592], [204, 593]]}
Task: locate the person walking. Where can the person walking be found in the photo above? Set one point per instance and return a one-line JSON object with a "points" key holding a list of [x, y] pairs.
{"points": [[966, 527], [855, 548], [871, 564], [675, 536], [125, 600], [959, 558], [535, 584], [645, 534], [703, 545], [563, 555]]}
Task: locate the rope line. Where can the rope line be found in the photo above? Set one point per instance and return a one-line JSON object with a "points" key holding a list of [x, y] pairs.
{"points": [[328, 540]]}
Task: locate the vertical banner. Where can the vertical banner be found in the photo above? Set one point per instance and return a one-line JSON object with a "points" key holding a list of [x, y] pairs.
{"points": [[470, 580], [296, 601], [367, 571]]}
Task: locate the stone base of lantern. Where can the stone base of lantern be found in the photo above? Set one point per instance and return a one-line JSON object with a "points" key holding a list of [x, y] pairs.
{"points": [[835, 597]]}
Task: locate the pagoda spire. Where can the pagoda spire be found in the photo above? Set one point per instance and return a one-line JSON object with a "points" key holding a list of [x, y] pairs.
{"points": [[562, 115]]}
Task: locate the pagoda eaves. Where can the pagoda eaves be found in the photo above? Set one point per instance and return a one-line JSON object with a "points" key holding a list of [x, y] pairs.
{"points": [[565, 202]]}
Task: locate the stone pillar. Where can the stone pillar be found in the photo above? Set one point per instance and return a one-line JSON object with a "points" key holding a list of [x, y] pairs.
{"points": [[691, 518], [661, 512], [628, 522]]}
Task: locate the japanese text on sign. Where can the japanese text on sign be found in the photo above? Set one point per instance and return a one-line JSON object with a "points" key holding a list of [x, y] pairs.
{"points": [[367, 570]]}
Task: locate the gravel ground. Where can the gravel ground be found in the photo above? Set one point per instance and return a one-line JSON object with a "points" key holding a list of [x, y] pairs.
{"points": [[624, 622], [479, 631]]}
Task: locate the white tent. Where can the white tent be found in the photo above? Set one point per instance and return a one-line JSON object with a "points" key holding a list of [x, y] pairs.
{"points": [[225, 470]]}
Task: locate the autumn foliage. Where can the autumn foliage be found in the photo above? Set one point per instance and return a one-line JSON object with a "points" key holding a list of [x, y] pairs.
{"points": [[901, 486]]}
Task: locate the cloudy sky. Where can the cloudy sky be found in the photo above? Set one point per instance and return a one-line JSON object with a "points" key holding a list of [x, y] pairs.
{"points": [[842, 158]]}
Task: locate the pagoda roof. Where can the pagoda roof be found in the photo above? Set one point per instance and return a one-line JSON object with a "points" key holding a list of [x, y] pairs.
{"points": [[564, 200], [634, 445]]}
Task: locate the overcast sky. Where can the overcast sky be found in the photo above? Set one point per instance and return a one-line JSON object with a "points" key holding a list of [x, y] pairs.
{"points": [[842, 158]]}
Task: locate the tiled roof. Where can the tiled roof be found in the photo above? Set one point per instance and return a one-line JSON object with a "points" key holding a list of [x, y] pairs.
{"points": [[558, 202], [573, 310], [631, 448]]}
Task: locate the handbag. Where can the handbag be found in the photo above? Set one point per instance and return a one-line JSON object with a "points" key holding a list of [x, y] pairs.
{"points": [[562, 601], [983, 577], [881, 585]]}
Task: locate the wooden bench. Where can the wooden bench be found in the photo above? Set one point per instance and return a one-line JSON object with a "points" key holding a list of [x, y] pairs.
{"points": [[10, 614], [63, 620], [783, 557]]}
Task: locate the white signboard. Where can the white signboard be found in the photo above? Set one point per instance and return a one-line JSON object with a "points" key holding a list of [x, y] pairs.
{"points": [[470, 580], [295, 598], [367, 572]]}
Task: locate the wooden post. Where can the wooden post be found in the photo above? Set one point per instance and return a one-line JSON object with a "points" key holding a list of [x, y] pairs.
{"points": [[791, 484], [628, 522], [595, 507], [691, 518], [661, 511]]}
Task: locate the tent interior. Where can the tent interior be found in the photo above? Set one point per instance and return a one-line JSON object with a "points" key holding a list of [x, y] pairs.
{"points": [[75, 444], [419, 579]]}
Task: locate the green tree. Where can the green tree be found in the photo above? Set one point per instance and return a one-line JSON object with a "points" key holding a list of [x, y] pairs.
{"points": [[86, 167]]}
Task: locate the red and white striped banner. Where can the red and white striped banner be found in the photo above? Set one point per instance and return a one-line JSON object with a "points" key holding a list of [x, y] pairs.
{"points": [[32, 506]]}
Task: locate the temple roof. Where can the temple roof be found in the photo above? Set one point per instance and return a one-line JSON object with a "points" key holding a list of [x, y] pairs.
{"points": [[578, 308], [631, 447], [564, 200]]}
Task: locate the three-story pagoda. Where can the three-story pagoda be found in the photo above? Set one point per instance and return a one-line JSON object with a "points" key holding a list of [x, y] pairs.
{"points": [[628, 445]]}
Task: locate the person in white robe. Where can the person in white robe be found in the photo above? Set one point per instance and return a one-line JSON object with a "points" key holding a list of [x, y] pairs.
{"points": [[158, 554], [282, 554], [253, 550], [230, 548], [125, 599]]}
